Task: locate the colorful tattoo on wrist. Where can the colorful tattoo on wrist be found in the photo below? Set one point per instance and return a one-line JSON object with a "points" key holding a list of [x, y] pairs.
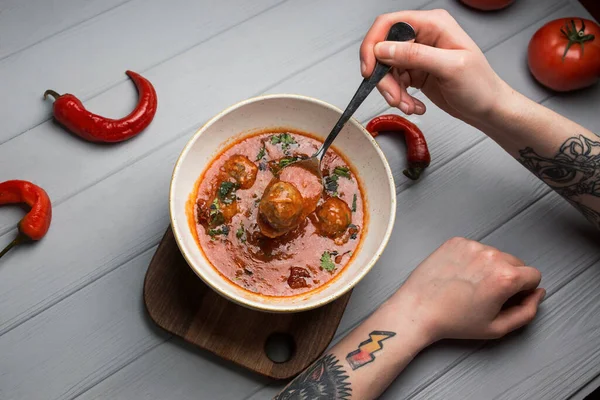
{"points": [[364, 354]]}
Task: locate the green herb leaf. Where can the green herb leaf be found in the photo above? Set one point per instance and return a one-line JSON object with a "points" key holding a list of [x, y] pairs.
{"points": [[284, 162], [342, 171], [241, 233], [326, 262], [224, 230], [215, 215], [285, 139], [261, 153], [354, 203], [331, 185], [227, 192]]}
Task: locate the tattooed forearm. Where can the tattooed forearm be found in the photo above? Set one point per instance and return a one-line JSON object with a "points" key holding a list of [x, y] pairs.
{"points": [[574, 173], [364, 354], [324, 380]]}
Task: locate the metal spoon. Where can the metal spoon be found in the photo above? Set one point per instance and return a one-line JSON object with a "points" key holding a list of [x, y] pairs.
{"points": [[399, 32]]}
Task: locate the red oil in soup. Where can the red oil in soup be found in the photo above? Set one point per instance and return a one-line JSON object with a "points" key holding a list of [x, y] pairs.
{"points": [[305, 258]]}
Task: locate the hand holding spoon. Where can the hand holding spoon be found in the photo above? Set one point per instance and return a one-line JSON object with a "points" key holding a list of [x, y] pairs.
{"points": [[399, 32], [282, 206]]}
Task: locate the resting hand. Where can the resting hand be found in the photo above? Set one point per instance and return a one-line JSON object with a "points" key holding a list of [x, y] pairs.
{"points": [[459, 292]]}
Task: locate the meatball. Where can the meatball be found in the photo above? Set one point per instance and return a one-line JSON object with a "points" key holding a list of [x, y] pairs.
{"points": [[242, 170], [307, 183], [334, 216], [280, 210]]}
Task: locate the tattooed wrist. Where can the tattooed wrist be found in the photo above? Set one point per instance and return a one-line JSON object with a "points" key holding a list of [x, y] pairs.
{"points": [[365, 354], [574, 173], [326, 379]]}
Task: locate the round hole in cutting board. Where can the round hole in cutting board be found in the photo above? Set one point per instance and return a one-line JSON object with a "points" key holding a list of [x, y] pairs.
{"points": [[280, 347]]}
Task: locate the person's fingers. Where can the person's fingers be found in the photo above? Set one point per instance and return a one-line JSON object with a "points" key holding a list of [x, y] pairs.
{"points": [[390, 90], [516, 316], [530, 277], [439, 62], [432, 27], [404, 79], [420, 107], [512, 280], [512, 260]]}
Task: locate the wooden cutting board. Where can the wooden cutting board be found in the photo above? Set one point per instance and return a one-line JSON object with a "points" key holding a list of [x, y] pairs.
{"points": [[179, 302]]}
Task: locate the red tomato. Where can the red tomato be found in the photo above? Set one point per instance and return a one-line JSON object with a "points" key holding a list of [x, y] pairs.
{"points": [[488, 5], [564, 54]]}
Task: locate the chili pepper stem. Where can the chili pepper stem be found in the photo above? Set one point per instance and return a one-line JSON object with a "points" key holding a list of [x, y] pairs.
{"points": [[18, 240], [413, 173], [52, 93]]}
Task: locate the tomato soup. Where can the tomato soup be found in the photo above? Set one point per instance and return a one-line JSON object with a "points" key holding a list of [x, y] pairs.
{"points": [[226, 212]]}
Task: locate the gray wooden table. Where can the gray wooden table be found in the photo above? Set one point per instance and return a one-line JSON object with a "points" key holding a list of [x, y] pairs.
{"points": [[72, 321]]}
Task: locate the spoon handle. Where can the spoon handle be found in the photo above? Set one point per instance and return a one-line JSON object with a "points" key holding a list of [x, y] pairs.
{"points": [[399, 32]]}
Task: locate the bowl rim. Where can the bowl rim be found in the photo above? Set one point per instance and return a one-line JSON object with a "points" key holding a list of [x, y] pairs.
{"points": [[266, 307]]}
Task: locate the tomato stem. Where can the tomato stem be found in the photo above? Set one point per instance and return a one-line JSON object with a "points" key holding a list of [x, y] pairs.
{"points": [[575, 36]]}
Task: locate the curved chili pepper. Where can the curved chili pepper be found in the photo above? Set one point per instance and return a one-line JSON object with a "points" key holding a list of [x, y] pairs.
{"points": [[70, 112], [416, 146], [35, 224]]}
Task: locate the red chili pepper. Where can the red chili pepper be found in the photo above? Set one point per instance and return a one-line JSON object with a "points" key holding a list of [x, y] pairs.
{"points": [[37, 221], [70, 112], [416, 146]]}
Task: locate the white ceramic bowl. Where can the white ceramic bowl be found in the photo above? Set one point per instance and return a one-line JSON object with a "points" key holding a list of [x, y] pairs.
{"points": [[304, 114]]}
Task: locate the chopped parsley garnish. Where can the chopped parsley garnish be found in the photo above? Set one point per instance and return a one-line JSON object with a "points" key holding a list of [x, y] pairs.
{"points": [[331, 185], [224, 230], [226, 192], [285, 139], [241, 233], [261, 153], [284, 162], [342, 171], [354, 203], [215, 215], [326, 262]]}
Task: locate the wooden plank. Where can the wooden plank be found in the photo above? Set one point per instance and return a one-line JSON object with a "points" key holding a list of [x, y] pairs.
{"points": [[122, 247], [587, 390], [556, 354], [107, 202], [70, 354], [181, 110], [179, 371], [551, 236], [388, 269], [93, 56], [438, 359], [187, 94], [26, 23], [543, 237]]}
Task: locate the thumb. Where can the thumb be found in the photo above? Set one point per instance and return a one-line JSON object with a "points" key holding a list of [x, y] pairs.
{"points": [[404, 55], [517, 316]]}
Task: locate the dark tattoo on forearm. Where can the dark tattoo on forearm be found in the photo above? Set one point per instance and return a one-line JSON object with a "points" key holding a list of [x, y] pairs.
{"points": [[324, 380], [364, 354], [574, 173]]}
